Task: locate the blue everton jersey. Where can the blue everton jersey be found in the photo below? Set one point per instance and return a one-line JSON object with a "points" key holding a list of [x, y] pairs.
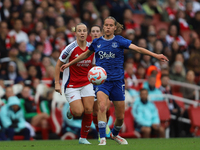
{"points": [[109, 54]]}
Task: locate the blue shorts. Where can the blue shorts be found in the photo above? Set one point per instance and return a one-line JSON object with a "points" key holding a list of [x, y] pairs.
{"points": [[114, 89]]}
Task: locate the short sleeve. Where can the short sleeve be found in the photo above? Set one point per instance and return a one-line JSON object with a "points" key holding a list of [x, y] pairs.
{"points": [[124, 43], [65, 54], [92, 46]]}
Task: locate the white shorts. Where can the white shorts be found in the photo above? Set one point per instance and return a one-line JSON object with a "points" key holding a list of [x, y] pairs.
{"points": [[73, 94]]}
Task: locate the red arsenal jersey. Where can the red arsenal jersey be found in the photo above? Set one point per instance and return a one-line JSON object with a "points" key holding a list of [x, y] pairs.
{"points": [[76, 75]]}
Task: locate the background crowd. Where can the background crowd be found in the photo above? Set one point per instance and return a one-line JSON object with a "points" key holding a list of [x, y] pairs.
{"points": [[34, 32]]}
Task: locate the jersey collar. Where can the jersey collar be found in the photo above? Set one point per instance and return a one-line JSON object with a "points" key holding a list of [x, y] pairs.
{"points": [[108, 39]]}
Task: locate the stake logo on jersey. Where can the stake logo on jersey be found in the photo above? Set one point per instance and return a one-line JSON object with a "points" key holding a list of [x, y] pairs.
{"points": [[106, 55], [109, 54], [76, 75]]}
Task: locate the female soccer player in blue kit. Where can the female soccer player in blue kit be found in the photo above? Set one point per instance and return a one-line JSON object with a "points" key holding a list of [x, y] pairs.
{"points": [[109, 54]]}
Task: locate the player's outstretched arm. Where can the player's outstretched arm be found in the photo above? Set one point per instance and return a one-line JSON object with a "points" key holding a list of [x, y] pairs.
{"points": [[160, 57], [57, 76], [79, 58]]}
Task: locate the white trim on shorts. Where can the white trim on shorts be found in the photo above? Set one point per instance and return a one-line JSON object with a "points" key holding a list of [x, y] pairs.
{"points": [[73, 94]]}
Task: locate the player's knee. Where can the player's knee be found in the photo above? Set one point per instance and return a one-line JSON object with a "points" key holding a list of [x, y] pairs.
{"points": [[102, 108], [88, 110], [78, 112]]}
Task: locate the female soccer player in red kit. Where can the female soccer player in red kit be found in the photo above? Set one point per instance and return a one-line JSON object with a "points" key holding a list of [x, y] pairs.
{"points": [[77, 89]]}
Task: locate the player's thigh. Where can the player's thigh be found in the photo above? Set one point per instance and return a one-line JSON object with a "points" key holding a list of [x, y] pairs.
{"points": [[77, 107], [119, 109], [87, 95], [73, 96]]}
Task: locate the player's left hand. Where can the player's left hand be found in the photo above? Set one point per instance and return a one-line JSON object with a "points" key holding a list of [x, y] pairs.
{"points": [[162, 57], [62, 68]]}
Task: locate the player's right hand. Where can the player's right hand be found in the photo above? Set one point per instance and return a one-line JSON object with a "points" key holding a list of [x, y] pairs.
{"points": [[58, 88], [63, 67]]}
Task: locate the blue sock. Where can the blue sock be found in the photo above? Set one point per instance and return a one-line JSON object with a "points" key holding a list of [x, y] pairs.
{"points": [[116, 129], [102, 129]]}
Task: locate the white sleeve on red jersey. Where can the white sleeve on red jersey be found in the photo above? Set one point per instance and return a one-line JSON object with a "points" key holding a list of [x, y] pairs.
{"points": [[66, 53]]}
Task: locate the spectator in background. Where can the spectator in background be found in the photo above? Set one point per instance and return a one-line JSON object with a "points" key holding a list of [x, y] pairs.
{"points": [[162, 33], [27, 22], [151, 7], [30, 110], [117, 8], [30, 46], [13, 120], [39, 26], [151, 38], [128, 19], [59, 7], [146, 116], [17, 33], [8, 93], [36, 61], [131, 95], [105, 12], [39, 15], [5, 11], [45, 41], [49, 77], [33, 73], [177, 72], [135, 7], [158, 49], [89, 5], [181, 18], [59, 22], [154, 93], [54, 57], [23, 54], [173, 107], [12, 73], [46, 63], [173, 35], [51, 16], [130, 76], [86, 18], [5, 40], [146, 61], [148, 20], [141, 72], [28, 6], [45, 103], [12, 54], [68, 31], [189, 93], [171, 10], [130, 34]]}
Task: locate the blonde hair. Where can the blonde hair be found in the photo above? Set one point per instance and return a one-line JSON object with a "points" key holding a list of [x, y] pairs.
{"points": [[117, 24], [73, 29]]}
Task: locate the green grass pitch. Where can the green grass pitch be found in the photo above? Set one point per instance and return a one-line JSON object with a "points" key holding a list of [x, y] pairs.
{"points": [[134, 144]]}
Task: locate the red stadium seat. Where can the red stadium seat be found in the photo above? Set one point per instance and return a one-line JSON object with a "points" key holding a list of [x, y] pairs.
{"points": [[128, 130], [161, 25], [138, 18], [164, 113], [195, 120]]}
